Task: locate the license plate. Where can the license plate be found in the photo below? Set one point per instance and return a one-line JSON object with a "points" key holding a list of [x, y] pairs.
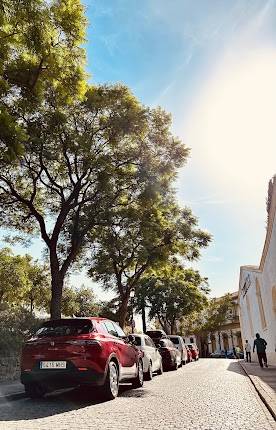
{"points": [[53, 365]]}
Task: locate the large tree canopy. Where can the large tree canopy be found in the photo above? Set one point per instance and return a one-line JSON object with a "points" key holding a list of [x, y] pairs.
{"points": [[79, 163], [41, 59], [142, 236]]}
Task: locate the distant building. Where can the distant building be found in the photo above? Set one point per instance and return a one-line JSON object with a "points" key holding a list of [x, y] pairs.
{"points": [[257, 287], [227, 336]]}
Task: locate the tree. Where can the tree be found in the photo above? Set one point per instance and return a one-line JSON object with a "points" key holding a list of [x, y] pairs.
{"points": [[141, 236], [79, 302], [41, 58], [171, 293], [22, 281], [39, 292], [79, 163], [210, 319]]}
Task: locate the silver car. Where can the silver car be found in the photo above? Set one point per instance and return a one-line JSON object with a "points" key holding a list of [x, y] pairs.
{"points": [[152, 360], [180, 345]]}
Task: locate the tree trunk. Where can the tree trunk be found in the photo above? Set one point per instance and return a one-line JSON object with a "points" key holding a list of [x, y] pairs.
{"points": [[144, 318], [122, 312], [56, 299]]}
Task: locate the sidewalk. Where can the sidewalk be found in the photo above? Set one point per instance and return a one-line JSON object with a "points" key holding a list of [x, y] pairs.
{"points": [[11, 390], [264, 380]]}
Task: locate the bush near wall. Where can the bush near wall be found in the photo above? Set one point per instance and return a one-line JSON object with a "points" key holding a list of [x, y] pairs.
{"points": [[16, 325]]}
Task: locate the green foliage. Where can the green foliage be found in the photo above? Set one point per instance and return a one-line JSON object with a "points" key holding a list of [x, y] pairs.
{"points": [[172, 292], [79, 302], [22, 281], [82, 163], [41, 59], [211, 318], [17, 324]]}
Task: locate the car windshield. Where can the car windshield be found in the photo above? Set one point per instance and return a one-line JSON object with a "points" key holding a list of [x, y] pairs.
{"points": [[174, 339], [138, 340], [65, 327]]}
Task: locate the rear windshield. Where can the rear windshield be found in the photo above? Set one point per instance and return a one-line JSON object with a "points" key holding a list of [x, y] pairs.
{"points": [[155, 334], [174, 339], [66, 327], [138, 340]]}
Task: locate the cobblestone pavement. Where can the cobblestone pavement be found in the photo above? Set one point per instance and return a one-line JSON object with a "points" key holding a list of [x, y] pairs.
{"points": [[211, 394]]}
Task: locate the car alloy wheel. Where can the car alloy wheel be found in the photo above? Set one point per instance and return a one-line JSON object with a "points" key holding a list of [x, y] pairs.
{"points": [[113, 379], [110, 388]]}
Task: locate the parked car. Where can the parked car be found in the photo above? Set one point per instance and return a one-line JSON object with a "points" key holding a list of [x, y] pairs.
{"points": [[80, 352], [194, 350], [189, 354], [180, 345], [171, 357], [152, 360], [156, 335]]}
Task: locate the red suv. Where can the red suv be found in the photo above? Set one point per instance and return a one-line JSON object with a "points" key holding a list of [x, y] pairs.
{"points": [[80, 351]]}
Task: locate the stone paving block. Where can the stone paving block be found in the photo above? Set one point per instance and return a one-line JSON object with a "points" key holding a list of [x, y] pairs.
{"points": [[211, 394]]}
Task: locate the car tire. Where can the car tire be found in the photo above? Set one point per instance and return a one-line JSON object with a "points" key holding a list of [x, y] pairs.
{"points": [[35, 391], [175, 366], [139, 379], [148, 374], [110, 388], [160, 370]]}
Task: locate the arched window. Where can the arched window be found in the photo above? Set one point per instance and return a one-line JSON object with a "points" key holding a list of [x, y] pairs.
{"points": [[260, 303], [274, 299]]}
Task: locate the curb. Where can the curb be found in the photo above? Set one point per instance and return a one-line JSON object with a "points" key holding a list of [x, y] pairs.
{"points": [[263, 394], [13, 396]]}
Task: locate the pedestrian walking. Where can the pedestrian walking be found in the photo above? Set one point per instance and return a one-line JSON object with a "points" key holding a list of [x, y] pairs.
{"points": [[234, 352], [260, 345], [248, 351]]}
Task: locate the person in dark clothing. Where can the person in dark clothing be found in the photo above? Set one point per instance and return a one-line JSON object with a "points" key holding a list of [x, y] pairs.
{"points": [[260, 345]]}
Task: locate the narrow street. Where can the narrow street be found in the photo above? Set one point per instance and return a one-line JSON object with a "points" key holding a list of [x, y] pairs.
{"points": [[210, 394]]}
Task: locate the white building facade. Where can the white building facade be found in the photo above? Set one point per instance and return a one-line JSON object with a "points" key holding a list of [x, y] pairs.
{"points": [[257, 288]]}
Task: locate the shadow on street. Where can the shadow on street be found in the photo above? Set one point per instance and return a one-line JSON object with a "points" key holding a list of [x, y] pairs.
{"points": [[58, 403]]}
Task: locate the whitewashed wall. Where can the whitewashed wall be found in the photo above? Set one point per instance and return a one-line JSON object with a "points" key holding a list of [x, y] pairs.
{"points": [[265, 275]]}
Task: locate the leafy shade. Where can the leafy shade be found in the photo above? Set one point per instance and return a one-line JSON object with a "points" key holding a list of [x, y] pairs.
{"points": [[41, 59]]}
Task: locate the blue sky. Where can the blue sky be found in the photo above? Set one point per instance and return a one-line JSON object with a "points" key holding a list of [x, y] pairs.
{"points": [[212, 64]]}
